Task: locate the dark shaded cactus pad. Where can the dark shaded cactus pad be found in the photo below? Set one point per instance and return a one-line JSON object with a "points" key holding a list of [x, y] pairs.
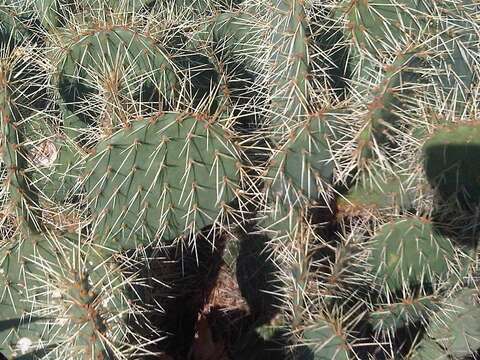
{"points": [[452, 162]]}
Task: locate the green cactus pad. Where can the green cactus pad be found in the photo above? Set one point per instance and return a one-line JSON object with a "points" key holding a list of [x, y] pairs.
{"points": [[283, 221], [456, 75], [59, 181], [49, 12], [409, 252], [454, 331], [391, 317], [82, 314], [376, 26], [462, 335], [55, 301], [134, 55], [370, 197], [452, 162], [429, 350], [22, 194], [22, 330], [58, 162], [388, 26], [117, 162], [237, 31], [121, 64], [10, 24], [381, 113], [323, 342], [162, 177], [290, 69], [301, 171]]}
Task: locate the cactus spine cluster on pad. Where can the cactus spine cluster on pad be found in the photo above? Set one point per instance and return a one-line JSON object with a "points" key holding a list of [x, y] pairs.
{"points": [[216, 179]]}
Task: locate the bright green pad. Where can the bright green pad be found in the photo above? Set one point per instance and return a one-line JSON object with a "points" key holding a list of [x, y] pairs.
{"points": [[301, 170], [455, 330], [409, 252], [161, 177], [452, 162], [322, 342]]}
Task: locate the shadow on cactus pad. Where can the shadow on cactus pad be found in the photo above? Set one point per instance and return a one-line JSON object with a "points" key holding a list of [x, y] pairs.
{"points": [[452, 163], [256, 275], [262, 343], [452, 167]]}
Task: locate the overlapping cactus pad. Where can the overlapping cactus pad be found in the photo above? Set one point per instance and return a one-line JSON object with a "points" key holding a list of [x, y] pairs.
{"points": [[239, 179]]}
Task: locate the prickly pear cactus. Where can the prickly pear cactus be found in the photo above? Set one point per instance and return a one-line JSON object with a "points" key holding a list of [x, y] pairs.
{"points": [[285, 179]]}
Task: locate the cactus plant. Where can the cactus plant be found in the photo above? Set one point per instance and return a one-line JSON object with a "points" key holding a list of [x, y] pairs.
{"points": [[324, 151]]}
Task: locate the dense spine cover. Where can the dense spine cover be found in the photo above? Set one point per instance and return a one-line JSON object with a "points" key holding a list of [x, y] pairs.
{"points": [[318, 159]]}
